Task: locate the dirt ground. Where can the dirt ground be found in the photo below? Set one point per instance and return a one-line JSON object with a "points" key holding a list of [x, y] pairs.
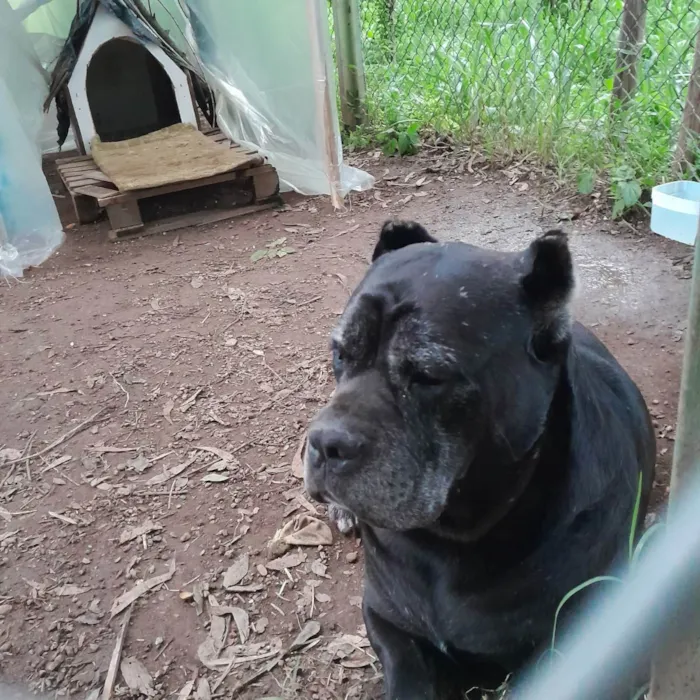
{"points": [[200, 369]]}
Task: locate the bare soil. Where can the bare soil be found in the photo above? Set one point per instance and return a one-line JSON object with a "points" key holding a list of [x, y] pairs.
{"points": [[196, 355]]}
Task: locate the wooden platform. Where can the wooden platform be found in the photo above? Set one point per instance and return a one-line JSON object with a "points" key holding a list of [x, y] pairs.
{"points": [[92, 191]]}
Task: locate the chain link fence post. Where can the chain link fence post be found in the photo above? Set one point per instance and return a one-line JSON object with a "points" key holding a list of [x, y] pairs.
{"points": [[630, 43], [351, 74], [689, 135], [676, 670]]}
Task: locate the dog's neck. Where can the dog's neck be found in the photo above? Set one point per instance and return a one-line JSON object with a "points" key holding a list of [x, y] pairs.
{"points": [[474, 508]]}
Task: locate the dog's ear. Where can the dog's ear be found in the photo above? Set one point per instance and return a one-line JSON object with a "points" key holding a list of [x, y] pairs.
{"points": [[399, 234], [548, 284]]}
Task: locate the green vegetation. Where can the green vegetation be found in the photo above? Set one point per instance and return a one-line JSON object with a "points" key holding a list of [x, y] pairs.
{"points": [[531, 77]]}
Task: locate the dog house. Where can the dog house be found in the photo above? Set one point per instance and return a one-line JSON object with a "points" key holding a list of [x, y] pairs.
{"points": [[130, 97], [122, 88]]}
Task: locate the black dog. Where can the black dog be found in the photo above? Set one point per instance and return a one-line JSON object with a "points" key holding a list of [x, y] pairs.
{"points": [[489, 448]]}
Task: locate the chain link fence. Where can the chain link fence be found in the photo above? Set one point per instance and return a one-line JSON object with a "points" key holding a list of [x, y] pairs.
{"points": [[584, 84]]}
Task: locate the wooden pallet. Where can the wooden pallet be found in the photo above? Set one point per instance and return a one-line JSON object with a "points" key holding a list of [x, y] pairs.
{"points": [[92, 191]]}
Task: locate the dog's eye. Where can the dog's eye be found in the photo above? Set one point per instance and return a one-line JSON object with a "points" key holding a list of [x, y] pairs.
{"points": [[339, 359], [427, 380]]}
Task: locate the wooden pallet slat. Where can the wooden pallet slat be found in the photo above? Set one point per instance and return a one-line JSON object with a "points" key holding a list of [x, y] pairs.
{"points": [[89, 188]]}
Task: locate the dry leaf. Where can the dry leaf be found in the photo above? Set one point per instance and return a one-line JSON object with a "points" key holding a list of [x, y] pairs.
{"points": [[124, 600], [9, 454], [215, 478], [139, 464], [302, 531], [218, 631], [240, 617], [198, 597], [298, 461], [288, 561], [133, 533], [137, 677], [323, 598], [318, 568], [236, 572], [186, 691], [69, 590], [221, 454], [5, 515], [261, 625], [311, 629], [352, 650], [88, 619], [169, 473], [197, 282], [203, 690], [167, 410], [63, 518]]}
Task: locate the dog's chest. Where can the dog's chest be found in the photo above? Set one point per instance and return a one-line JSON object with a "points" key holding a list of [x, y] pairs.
{"points": [[437, 598]]}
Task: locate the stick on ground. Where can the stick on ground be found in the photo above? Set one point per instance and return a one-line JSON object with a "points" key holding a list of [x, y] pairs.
{"points": [[116, 657], [71, 433]]}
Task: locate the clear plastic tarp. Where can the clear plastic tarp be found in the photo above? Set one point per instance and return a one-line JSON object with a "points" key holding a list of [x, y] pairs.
{"points": [[270, 66], [30, 230]]}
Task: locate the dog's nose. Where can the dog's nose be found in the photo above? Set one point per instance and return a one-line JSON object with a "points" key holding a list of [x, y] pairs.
{"points": [[334, 445]]}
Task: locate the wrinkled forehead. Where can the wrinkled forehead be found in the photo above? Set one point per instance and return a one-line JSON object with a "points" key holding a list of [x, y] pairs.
{"points": [[434, 301], [372, 320]]}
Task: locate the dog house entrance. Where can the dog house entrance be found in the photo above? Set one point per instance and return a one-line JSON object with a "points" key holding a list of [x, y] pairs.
{"points": [[128, 91]]}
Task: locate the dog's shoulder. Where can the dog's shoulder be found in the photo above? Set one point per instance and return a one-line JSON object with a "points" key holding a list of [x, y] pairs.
{"points": [[612, 438]]}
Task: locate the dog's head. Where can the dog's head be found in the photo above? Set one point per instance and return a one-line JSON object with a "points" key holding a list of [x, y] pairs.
{"points": [[444, 352]]}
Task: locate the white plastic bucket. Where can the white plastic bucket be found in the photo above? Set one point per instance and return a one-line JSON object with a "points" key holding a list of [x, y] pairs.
{"points": [[675, 210]]}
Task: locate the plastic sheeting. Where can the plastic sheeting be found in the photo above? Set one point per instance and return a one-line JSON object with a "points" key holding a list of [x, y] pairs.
{"points": [[268, 62], [259, 57], [30, 230]]}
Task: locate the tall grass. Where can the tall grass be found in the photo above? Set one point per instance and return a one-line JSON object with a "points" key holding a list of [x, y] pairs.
{"points": [[531, 76]]}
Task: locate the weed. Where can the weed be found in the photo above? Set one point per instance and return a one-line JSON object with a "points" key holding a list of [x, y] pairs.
{"points": [[275, 249], [634, 553], [401, 140]]}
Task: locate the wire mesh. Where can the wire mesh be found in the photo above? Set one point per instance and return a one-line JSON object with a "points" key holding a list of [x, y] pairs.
{"points": [[536, 75]]}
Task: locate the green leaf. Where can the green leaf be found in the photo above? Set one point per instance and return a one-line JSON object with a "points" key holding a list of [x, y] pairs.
{"points": [[618, 208], [287, 250], [258, 255], [635, 516], [572, 593], [586, 181], [390, 147], [623, 172], [277, 243], [643, 541], [630, 191], [406, 144]]}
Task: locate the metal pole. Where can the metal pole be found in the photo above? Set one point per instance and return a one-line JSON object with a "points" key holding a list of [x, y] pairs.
{"points": [[351, 73], [676, 669]]}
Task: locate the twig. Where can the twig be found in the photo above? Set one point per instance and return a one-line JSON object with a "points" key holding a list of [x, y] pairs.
{"points": [[26, 452], [308, 301], [114, 379], [347, 230], [71, 433], [116, 656], [160, 653], [170, 495], [258, 674], [8, 475]]}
